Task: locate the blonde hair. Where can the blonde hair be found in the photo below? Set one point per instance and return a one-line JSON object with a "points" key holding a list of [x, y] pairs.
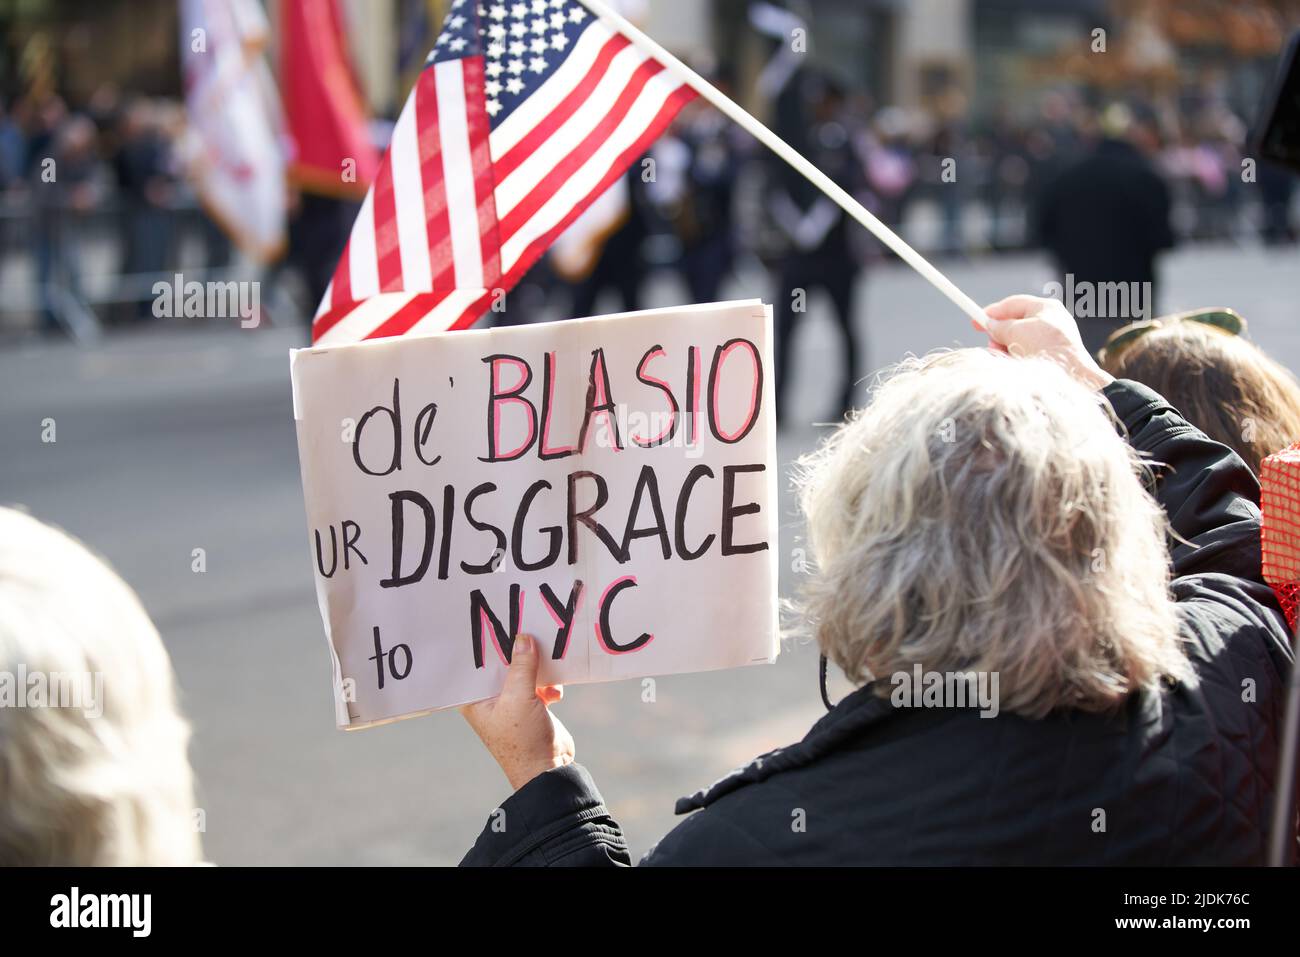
{"points": [[1223, 384], [106, 782], [983, 514]]}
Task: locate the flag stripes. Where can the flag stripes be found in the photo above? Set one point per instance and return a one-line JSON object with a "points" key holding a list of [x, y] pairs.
{"points": [[463, 206]]}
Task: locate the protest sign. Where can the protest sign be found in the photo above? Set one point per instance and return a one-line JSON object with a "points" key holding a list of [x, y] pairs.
{"points": [[607, 485]]}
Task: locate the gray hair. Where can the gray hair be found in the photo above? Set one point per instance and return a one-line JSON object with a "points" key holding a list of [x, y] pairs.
{"points": [[101, 778], [983, 514]]}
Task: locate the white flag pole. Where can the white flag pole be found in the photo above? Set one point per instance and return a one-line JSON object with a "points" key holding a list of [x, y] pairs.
{"points": [[784, 150]]}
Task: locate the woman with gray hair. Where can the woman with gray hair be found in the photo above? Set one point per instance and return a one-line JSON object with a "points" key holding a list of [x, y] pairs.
{"points": [[93, 769], [1057, 665]]}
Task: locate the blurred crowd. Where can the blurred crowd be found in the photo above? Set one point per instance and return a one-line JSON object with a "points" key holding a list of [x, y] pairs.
{"points": [[983, 181], [100, 177], [104, 175], [1102, 185]]}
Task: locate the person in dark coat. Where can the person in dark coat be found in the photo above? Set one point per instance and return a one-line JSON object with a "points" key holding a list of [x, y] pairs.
{"points": [[985, 516], [819, 253], [701, 218], [1104, 219], [620, 265], [146, 186]]}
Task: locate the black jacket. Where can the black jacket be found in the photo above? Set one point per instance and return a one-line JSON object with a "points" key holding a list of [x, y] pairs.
{"points": [[1107, 216], [1183, 776], [1104, 219]]}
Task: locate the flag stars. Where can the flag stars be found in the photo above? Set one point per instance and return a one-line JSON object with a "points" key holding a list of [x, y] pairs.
{"points": [[521, 42]]}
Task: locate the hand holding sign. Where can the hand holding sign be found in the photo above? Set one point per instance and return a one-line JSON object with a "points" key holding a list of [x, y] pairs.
{"points": [[606, 485], [517, 726]]}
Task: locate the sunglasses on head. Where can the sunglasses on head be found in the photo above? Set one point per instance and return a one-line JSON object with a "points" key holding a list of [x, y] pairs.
{"points": [[1222, 319]]}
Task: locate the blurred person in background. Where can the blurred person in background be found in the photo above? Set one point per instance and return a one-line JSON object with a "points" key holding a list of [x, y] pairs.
{"points": [[42, 116], [1063, 116], [1220, 381], [1054, 139], [956, 523], [889, 162], [146, 187], [1105, 218], [65, 186], [97, 774], [1276, 189], [104, 107], [948, 150], [13, 148], [1227, 135], [818, 249], [611, 258], [1204, 165], [694, 191], [1008, 181], [319, 227]]}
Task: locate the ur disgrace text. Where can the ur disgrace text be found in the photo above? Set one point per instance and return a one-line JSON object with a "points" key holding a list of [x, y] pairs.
{"points": [[580, 500]]}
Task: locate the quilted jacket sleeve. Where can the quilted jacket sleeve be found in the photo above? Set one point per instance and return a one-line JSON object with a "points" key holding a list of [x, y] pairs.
{"points": [[558, 819], [1212, 501]]}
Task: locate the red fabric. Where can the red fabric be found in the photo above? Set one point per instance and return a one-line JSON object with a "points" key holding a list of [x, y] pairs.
{"points": [[1279, 480], [325, 115]]}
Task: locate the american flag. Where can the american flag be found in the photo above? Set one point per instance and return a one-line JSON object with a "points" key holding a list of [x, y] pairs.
{"points": [[523, 114]]}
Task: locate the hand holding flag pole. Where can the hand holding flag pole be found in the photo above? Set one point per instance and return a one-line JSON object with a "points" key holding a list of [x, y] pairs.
{"points": [[784, 150]]}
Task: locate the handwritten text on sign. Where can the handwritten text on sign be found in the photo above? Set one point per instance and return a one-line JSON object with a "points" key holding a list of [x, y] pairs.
{"points": [[607, 485]]}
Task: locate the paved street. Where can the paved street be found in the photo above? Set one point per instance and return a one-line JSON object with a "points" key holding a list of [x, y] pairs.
{"points": [[182, 438]]}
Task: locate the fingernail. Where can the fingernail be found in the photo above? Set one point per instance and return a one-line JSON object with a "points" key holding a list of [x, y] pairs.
{"points": [[523, 645]]}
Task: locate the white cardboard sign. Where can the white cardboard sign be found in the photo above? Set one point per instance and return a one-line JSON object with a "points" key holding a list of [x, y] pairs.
{"points": [[607, 485]]}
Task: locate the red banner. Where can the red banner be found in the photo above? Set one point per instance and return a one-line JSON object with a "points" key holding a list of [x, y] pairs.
{"points": [[326, 116]]}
